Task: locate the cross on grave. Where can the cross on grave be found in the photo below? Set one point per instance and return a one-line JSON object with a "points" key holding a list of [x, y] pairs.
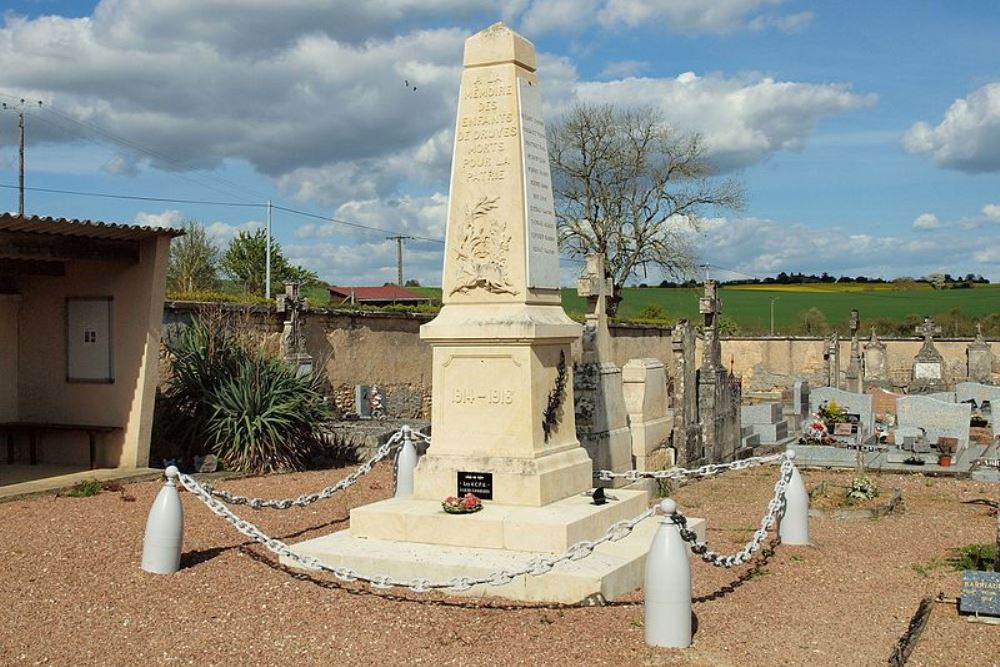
{"points": [[927, 330], [293, 341], [596, 288], [855, 322]]}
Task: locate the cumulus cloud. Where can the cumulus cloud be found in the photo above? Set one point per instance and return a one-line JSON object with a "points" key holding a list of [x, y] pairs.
{"points": [[757, 246], [742, 119], [925, 222], [719, 16], [121, 164], [968, 138], [223, 232], [167, 218]]}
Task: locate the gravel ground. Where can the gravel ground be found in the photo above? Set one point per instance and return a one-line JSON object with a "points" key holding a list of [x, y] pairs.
{"points": [[73, 593]]}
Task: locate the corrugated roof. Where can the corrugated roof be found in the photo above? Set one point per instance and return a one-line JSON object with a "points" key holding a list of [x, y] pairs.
{"points": [[90, 229], [386, 293]]}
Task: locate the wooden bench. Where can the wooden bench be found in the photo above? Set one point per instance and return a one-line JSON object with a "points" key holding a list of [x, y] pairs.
{"points": [[32, 429]]}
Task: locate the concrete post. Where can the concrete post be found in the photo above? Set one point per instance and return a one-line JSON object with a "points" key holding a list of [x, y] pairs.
{"points": [[161, 547], [794, 524], [405, 465], [668, 585]]}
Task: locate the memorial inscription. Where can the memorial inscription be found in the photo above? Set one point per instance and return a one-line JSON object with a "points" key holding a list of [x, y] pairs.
{"points": [[542, 249], [479, 484], [980, 593]]}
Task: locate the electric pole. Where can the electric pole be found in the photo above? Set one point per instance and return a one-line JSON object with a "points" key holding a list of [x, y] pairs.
{"points": [[399, 256], [267, 254], [20, 151]]}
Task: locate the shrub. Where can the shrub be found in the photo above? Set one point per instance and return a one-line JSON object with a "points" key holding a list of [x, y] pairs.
{"points": [[85, 489], [229, 394], [862, 488]]}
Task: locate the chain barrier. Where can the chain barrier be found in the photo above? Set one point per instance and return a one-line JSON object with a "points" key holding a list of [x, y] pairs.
{"points": [[743, 555], [534, 567], [309, 498], [682, 473]]}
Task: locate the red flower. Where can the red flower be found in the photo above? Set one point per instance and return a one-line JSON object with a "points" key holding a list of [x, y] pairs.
{"points": [[470, 501]]}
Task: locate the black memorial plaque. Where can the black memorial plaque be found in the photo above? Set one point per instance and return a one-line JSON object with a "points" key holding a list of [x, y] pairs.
{"points": [[980, 593], [479, 484]]}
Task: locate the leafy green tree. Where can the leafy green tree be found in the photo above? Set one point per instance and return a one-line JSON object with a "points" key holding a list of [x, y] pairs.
{"points": [[244, 262], [627, 185], [193, 260]]}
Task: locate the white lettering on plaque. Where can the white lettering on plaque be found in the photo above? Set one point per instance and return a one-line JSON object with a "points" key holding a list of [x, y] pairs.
{"points": [[541, 243]]}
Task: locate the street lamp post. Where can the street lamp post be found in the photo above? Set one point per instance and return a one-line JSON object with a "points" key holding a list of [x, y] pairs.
{"points": [[773, 299]]}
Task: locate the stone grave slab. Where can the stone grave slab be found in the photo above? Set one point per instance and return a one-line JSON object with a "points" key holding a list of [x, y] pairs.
{"points": [[980, 593], [859, 404], [978, 392], [937, 418]]}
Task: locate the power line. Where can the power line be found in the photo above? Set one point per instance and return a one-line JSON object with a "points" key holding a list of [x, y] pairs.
{"points": [[356, 225], [105, 195]]}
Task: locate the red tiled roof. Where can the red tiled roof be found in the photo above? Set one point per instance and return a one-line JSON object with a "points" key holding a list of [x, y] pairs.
{"points": [[386, 293]]}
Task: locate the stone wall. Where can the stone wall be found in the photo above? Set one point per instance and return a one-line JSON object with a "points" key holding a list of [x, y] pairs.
{"points": [[385, 349], [767, 363]]}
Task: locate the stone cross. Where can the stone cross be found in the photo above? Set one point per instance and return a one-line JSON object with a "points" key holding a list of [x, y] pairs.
{"points": [[927, 330], [597, 289], [293, 342], [711, 307]]}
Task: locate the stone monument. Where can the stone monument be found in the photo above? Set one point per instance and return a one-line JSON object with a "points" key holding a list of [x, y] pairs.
{"points": [[718, 392], [293, 340], [601, 420], [928, 365], [831, 361], [979, 358], [853, 376], [502, 417], [876, 366]]}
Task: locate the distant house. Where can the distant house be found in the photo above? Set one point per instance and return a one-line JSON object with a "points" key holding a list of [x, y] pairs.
{"points": [[376, 296]]}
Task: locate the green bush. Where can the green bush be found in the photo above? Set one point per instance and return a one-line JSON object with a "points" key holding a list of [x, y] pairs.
{"points": [[228, 394]]}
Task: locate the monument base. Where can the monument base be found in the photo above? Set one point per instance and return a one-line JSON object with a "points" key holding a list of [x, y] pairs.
{"points": [[609, 450], [613, 570]]}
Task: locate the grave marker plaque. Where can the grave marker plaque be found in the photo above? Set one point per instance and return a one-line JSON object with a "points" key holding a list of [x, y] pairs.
{"points": [[479, 484], [980, 593]]}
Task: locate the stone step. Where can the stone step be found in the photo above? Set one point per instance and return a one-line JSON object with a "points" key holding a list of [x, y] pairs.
{"points": [[613, 570], [752, 440]]}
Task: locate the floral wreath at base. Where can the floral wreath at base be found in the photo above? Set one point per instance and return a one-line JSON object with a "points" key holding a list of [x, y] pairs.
{"points": [[467, 504]]}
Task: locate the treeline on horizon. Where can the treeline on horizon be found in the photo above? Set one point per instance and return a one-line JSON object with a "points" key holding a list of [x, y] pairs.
{"points": [[934, 280]]}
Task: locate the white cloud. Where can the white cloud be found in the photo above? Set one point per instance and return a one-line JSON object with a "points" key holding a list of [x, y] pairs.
{"points": [[565, 15], [968, 138], [623, 68], [742, 119], [759, 247], [167, 218], [121, 164], [223, 232], [925, 222], [992, 211], [719, 16]]}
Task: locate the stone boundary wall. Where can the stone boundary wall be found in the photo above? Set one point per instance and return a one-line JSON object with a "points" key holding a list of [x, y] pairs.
{"points": [[362, 347], [384, 348]]}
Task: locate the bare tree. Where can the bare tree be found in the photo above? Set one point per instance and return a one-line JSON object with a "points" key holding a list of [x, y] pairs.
{"points": [[628, 186]]}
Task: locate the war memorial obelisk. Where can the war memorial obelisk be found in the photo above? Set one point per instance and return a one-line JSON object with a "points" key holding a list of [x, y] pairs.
{"points": [[502, 416]]}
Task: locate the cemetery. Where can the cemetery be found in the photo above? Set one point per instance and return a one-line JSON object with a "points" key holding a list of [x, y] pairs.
{"points": [[549, 492]]}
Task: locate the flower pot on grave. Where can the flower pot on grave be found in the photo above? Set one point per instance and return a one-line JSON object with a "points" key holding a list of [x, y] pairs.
{"points": [[944, 460]]}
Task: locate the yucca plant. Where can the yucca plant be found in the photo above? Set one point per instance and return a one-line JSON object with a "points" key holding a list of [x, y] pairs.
{"points": [[265, 419], [230, 394]]}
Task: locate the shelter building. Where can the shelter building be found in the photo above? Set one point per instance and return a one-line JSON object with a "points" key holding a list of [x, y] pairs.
{"points": [[81, 307]]}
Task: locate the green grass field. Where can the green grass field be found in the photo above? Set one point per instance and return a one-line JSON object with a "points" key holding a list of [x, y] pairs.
{"points": [[749, 305]]}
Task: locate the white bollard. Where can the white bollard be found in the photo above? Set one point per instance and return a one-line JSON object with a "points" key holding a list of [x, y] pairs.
{"points": [[668, 585], [793, 527], [405, 465], [161, 548]]}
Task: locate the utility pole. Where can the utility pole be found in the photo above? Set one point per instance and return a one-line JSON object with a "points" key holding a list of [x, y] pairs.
{"points": [[773, 299], [399, 256], [20, 151], [267, 255]]}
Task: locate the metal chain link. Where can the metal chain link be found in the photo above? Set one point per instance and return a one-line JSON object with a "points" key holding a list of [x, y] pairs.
{"points": [[309, 498], [776, 505], [534, 567], [682, 473]]}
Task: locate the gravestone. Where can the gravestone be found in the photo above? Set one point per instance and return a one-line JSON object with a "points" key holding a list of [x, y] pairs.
{"points": [[293, 340], [977, 392], [766, 420], [884, 404], [937, 418], [719, 392], [979, 358], [650, 420], [831, 361], [502, 385], [859, 404], [599, 405], [853, 376], [928, 365], [980, 593], [876, 363], [795, 407]]}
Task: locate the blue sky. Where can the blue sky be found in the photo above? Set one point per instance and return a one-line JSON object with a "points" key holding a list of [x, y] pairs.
{"points": [[867, 135]]}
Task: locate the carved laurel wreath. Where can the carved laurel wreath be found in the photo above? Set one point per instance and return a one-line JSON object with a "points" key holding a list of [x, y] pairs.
{"points": [[484, 251], [556, 397]]}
